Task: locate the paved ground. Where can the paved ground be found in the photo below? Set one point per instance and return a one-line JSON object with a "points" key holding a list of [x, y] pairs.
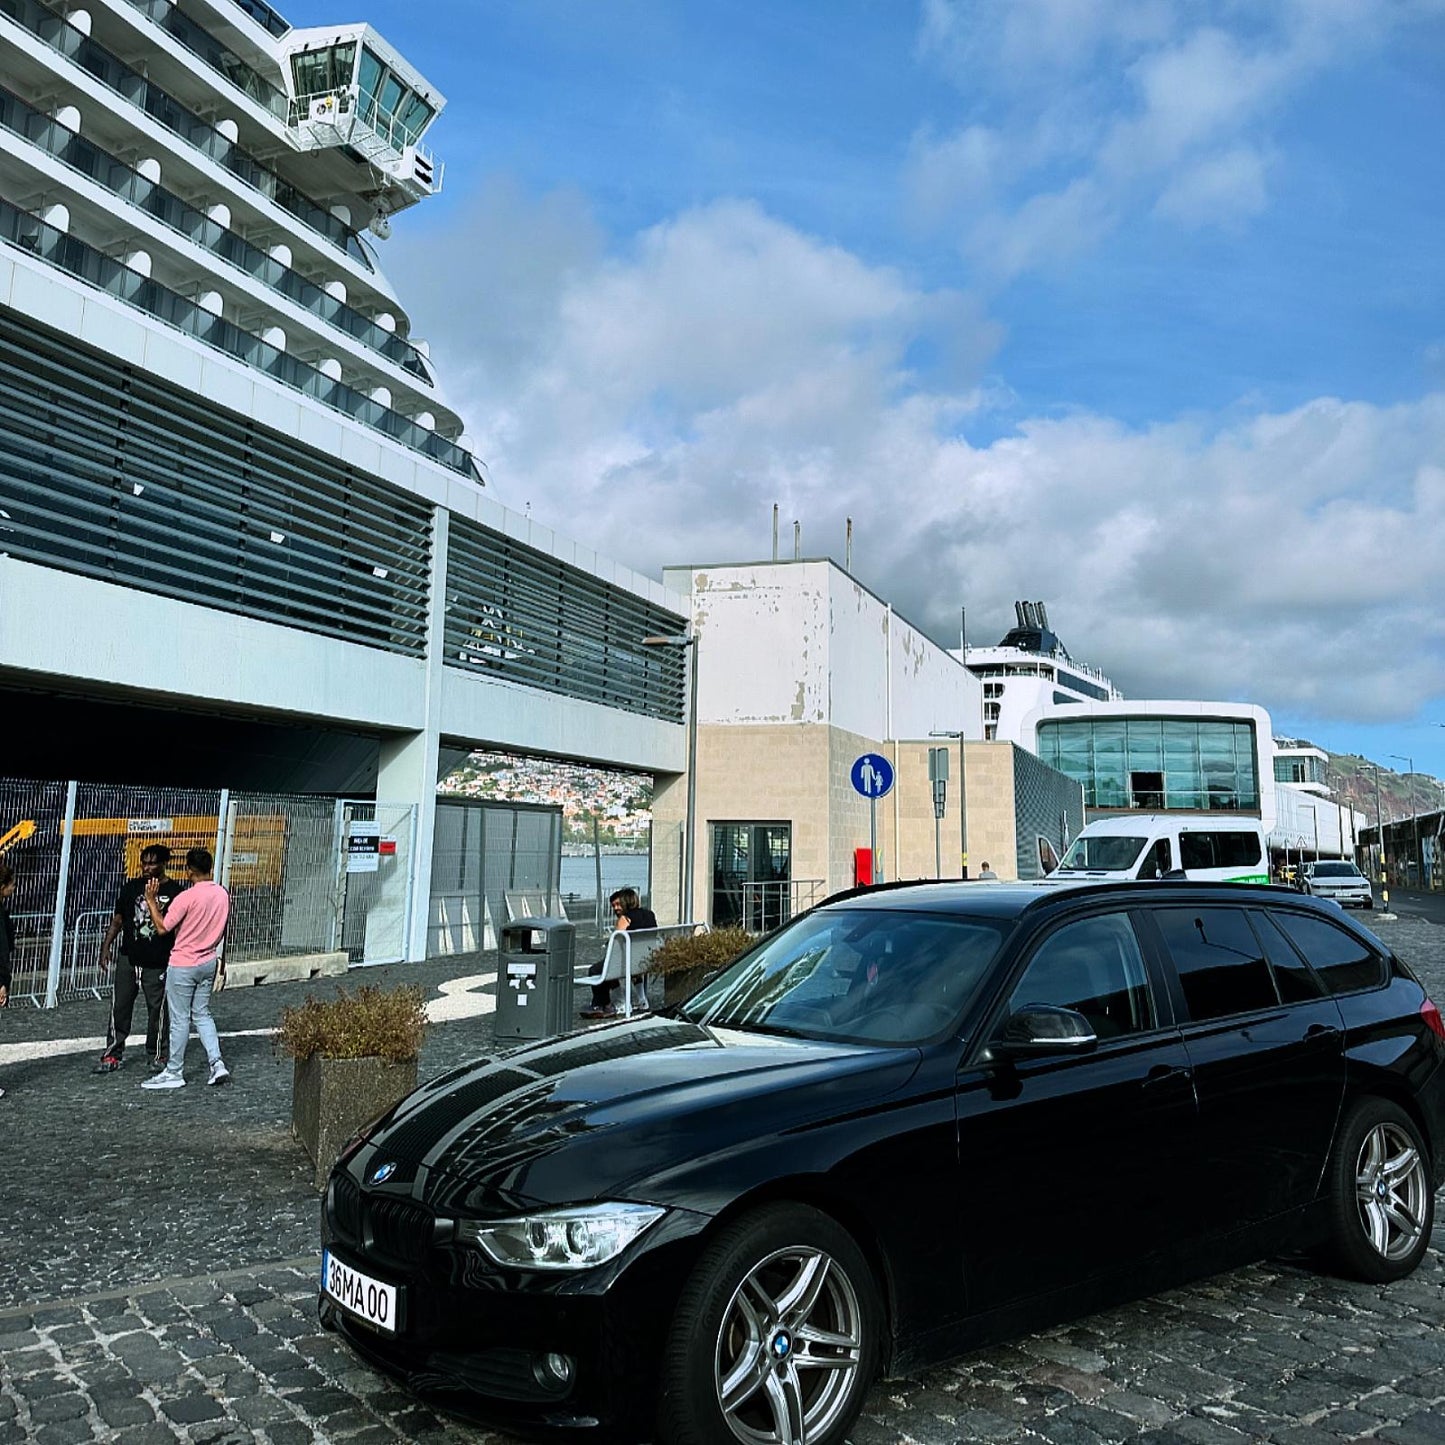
{"points": [[160, 1255]]}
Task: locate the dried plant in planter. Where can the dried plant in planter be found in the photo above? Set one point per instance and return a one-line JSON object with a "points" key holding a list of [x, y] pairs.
{"points": [[356, 1056], [367, 1024], [705, 951]]}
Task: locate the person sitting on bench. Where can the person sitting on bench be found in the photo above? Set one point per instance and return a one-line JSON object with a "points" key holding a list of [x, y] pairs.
{"points": [[627, 912]]}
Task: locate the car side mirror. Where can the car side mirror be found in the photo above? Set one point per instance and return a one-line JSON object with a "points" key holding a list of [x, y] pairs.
{"points": [[1043, 1028]]}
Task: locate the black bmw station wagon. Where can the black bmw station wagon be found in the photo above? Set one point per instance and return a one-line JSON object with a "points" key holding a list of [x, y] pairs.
{"points": [[912, 1120]]}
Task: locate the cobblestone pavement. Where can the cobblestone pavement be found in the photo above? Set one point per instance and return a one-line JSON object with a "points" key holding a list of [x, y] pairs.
{"points": [[161, 1255]]}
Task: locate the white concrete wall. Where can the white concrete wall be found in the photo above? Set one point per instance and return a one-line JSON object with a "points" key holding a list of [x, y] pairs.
{"points": [[762, 642], [802, 642], [57, 627]]}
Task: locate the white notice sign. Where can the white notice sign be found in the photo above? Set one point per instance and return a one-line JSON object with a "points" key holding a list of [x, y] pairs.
{"points": [[363, 848]]}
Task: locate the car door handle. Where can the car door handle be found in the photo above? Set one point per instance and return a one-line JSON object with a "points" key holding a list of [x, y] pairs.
{"points": [[1163, 1073], [1322, 1031]]}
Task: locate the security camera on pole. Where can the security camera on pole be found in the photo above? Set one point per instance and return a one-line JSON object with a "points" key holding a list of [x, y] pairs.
{"points": [[872, 776]]}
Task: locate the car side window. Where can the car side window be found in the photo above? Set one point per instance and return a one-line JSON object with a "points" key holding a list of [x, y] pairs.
{"points": [[1093, 966], [1228, 848], [1296, 981], [1158, 861], [1341, 960], [1221, 965]]}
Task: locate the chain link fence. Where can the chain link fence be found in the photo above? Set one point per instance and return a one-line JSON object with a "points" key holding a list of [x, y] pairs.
{"points": [[296, 887]]}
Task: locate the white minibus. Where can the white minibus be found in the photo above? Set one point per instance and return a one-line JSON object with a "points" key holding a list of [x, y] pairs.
{"points": [[1204, 846]]}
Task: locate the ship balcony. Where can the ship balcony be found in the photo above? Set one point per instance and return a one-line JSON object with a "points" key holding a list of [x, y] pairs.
{"points": [[175, 42], [63, 60], [195, 219], [152, 286]]}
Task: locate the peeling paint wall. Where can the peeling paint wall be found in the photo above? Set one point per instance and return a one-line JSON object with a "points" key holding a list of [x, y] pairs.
{"points": [[762, 643], [802, 642]]}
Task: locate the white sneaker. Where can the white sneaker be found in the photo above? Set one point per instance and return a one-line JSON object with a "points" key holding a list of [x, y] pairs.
{"points": [[164, 1080], [220, 1074]]}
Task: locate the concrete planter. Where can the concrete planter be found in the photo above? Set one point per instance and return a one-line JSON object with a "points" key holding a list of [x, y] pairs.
{"points": [[683, 984], [332, 1098]]}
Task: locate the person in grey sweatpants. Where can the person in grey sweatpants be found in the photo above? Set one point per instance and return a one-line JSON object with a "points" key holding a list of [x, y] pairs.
{"points": [[198, 919]]}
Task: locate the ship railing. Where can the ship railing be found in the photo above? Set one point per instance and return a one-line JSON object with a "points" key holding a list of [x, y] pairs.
{"points": [[81, 260], [165, 206], [132, 87]]}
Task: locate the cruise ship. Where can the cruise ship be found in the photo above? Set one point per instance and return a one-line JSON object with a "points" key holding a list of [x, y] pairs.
{"points": [[248, 559], [218, 173], [1028, 669]]}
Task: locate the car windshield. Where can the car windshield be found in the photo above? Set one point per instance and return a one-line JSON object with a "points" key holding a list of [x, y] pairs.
{"points": [[1334, 870], [881, 976], [1110, 851]]}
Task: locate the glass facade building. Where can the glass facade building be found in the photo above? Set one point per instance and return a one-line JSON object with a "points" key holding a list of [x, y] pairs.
{"points": [[1157, 764]]}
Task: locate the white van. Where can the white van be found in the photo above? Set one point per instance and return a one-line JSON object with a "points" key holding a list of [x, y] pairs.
{"points": [[1206, 847]]}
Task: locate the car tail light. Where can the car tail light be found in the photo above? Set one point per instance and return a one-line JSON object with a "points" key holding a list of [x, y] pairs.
{"points": [[1431, 1015]]}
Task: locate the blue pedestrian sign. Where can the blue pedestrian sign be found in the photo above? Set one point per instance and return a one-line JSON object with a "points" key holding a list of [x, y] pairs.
{"points": [[872, 775]]}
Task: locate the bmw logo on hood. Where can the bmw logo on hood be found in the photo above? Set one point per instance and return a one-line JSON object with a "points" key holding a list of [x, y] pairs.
{"points": [[383, 1172]]}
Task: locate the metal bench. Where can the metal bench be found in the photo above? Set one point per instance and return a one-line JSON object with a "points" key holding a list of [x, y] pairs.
{"points": [[628, 950]]}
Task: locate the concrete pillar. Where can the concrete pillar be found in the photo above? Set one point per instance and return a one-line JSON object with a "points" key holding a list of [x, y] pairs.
{"points": [[407, 772]]}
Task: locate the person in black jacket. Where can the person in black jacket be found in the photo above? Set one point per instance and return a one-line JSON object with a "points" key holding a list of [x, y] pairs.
{"points": [[141, 966], [627, 912], [7, 935]]}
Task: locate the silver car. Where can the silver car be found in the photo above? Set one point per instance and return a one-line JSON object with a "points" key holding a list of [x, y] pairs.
{"points": [[1341, 881]]}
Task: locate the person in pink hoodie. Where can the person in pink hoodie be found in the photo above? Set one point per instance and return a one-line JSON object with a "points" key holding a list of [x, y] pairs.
{"points": [[197, 919]]}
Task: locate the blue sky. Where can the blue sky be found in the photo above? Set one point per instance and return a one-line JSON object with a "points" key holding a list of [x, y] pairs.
{"points": [[1136, 308]]}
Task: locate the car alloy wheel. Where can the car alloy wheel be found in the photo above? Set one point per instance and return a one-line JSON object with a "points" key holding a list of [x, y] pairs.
{"points": [[790, 1345], [1381, 1205], [775, 1337], [1391, 1188]]}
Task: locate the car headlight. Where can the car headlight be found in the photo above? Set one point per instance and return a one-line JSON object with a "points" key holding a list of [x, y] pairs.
{"points": [[575, 1238]]}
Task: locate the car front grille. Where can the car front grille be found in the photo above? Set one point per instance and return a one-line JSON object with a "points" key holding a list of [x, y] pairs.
{"points": [[390, 1229], [346, 1209], [399, 1230]]}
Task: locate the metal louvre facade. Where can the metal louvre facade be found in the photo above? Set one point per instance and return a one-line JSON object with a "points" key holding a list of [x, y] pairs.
{"points": [[108, 473], [518, 615]]}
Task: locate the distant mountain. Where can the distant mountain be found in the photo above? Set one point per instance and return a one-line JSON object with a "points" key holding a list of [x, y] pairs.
{"points": [[1353, 781]]}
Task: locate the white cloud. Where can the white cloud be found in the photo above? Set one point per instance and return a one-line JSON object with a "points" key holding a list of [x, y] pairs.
{"points": [[1168, 107], [1221, 190], [655, 404]]}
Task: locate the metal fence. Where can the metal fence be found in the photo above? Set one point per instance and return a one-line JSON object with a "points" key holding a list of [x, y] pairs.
{"points": [[295, 884], [482, 852]]}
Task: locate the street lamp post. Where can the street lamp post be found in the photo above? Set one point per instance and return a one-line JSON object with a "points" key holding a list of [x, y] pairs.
{"points": [[962, 800], [688, 641], [1379, 822], [1414, 818]]}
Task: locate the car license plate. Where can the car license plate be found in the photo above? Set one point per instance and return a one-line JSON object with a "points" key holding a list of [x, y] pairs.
{"points": [[368, 1299]]}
